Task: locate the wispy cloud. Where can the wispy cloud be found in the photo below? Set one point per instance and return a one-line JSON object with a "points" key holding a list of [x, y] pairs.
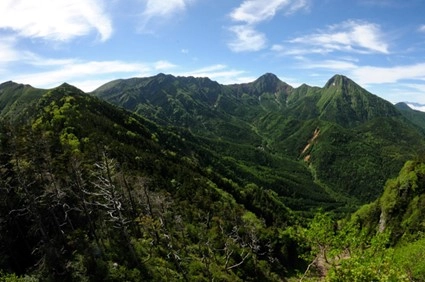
{"points": [[246, 39], [7, 50], [401, 83], [349, 36], [422, 28], [155, 8], [87, 75], [367, 74], [162, 10], [420, 87], [252, 12], [417, 107], [330, 65], [164, 65], [374, 75], [221, 73], [297, 50], [58, 20], [255, 11], [10, 54]]}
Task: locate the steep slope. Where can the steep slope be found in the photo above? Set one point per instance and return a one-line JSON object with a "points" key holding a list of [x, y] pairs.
{"points": [[268, 91], [382, 241], [346, 103], [355, 132], [221, 117], [360, 134], [14, 98], [92, 192], [416, 117], [400, 208], [181, 101]]}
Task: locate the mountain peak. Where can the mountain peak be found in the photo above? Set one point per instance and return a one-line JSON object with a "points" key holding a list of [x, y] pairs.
{"points": [[338, 80], [10, 83], [270, 83], [268, 78], [402, 106], [68, 88]]}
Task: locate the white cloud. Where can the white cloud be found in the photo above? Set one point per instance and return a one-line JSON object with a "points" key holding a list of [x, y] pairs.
{"points": [[417, 107], [370, 75], [255, 11], [9, 54], [416, 86], [59, 20], [246, 39], [398, 92], [163, 65], [221, 73], [422, 28], [297, 5], [349, 36], [331, 65], [155, 8], [7, 50], [289, 50], [162, 9], [82, 71], [376, 75]]}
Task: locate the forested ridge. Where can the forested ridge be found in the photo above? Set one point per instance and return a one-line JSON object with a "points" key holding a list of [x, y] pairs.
{"points": [[214, 183], [91, 192]]}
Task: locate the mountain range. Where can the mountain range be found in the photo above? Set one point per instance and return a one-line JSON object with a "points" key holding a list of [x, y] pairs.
{"points": [[343, 133], [189, 178]]}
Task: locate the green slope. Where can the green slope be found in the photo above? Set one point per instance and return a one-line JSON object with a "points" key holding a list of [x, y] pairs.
{"points": [[221, 118], [399, 209], [15, 98], [195, 184], [97, 193], [358, 133], [414, 116], [382, 241]]}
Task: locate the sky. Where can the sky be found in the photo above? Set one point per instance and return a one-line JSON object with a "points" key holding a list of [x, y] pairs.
{"points": [[380, 44]]}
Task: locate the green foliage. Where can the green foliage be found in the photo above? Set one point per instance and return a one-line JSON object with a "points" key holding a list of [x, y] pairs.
{"points": [[345, 252], [410, 258], [372, 263], [416, 117], [95, 193], [198, 183], [261, 130], [14, 278]]}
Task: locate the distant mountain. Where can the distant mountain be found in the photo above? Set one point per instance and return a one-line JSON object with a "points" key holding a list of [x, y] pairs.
{"points": [[413, 115], [15, 98], [416, 106], [340, 135], [348, 104], [221, 116]]}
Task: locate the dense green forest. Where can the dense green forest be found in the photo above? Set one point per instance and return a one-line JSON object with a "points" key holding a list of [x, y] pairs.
{"points": [[183, 179]]}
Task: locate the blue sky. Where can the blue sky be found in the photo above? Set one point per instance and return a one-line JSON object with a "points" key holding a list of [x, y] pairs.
{"points": [[380, 44]]}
